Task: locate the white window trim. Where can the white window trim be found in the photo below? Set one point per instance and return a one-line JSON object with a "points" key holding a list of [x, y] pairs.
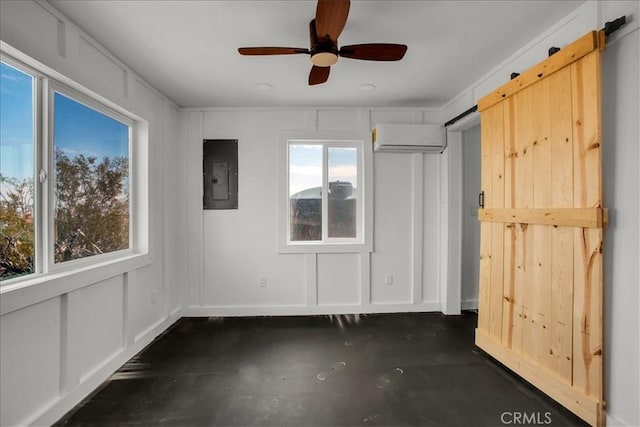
{"points": [[365, 209], [53, 87], [65, 277]]}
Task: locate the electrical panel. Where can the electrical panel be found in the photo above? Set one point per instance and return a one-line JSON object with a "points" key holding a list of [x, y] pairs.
{"points": [[220, 173]]}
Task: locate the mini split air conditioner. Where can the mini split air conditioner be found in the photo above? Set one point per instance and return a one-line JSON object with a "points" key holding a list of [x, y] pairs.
{"points": [[409, 138]]}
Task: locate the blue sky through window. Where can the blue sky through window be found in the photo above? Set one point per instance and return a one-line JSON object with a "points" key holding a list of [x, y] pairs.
{"points": [[78, 129], [343, 165], [16, 123], [305, 166]]}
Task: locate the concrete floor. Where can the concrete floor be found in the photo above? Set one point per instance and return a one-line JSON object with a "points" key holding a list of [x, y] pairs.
{"points": [[417, 369]]}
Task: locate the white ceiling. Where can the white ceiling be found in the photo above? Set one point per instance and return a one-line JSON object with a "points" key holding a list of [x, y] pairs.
{"points": [[188, 49]]}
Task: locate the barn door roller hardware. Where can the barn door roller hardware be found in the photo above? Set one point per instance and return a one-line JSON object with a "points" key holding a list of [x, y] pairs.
{"points": [[461, 115], [609, 28], [615, 25]]}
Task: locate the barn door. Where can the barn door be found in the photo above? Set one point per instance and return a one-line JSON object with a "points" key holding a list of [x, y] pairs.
{"points": [[540, 304]]}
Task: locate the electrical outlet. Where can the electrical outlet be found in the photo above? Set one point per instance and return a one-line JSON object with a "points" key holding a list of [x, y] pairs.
{"points": [[388, 279], [263, 281]]}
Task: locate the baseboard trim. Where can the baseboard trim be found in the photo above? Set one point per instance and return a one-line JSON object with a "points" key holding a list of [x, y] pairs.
{"points": [[471, 304], [54, 411], [302, 310], [613, 422]]}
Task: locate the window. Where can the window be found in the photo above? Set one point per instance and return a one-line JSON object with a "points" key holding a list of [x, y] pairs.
{"points": [[91, 197], [316, 185], [65, 177], [325, 196], [17, 168], [305, 192]]}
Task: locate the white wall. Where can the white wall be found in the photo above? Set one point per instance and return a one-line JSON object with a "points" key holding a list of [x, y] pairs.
{"points": [[231, 249], [57, 345], [215, 290], [621, 154], [620, 112], [470, 225], [51, 354]]}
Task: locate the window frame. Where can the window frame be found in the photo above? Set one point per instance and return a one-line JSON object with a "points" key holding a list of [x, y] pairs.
{"points": [[52, 88], [50, 279], [363, 242], [36, 99]]}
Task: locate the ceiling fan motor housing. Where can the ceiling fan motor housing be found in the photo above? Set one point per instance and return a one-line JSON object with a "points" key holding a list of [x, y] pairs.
{"points": [[324, 52]]}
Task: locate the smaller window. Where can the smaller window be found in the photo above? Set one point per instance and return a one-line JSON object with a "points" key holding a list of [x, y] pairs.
{"points": [[305, 192], [325, 195], [342, 200], [92, 175]]}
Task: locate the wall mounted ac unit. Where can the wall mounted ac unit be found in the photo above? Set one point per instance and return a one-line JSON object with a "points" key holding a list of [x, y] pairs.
{"points": [[409, 138]]}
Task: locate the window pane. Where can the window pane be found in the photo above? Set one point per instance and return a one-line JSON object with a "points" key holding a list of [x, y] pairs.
{"points": [[17, 231], [343, 179], [92, 181], [305, 192]]}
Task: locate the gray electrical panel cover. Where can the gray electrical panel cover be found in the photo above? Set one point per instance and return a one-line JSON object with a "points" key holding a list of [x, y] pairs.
{"points": [[220, 173]]}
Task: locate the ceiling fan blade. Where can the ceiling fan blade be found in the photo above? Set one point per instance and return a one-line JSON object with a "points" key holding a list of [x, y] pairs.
{"points": [[318, 75], [271, 50], [331, 16], [374, 51]]}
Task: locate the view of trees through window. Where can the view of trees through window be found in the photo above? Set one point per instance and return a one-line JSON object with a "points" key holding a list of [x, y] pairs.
{"points": [[92, 175], [90, 203], [17, 153]]}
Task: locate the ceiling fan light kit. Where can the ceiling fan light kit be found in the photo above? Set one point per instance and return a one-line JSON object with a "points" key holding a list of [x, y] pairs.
{"points": [[324, 30], [324, 59]]}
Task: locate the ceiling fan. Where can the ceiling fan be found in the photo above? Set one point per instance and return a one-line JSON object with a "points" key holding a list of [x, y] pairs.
{"points": [[324, 30]]}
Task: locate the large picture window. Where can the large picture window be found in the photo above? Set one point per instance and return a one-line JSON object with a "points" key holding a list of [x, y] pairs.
{"points": [[17, 169], [91, 154], [65, 176], [325, 206]]}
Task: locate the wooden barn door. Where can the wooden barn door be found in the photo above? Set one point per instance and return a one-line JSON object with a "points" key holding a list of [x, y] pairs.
{"points": [[540, 307]]}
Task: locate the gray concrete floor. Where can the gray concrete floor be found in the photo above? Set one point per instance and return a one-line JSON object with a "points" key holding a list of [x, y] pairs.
{"points": [[419, 369]]}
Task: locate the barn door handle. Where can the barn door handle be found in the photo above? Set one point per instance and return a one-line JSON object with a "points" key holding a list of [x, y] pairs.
{"points": [[481, 200]]}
